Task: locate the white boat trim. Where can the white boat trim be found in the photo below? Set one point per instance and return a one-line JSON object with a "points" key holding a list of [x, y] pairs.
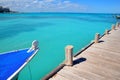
{"points": [[28, 60]]}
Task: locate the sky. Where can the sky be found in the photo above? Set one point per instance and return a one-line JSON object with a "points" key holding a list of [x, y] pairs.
{"points": [[83, 6]]}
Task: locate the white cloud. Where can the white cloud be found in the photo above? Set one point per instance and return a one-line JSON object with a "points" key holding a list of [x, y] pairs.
{"points": [[43, 5], [5, 0], [35, 1], [49, 0], [66, 2]]}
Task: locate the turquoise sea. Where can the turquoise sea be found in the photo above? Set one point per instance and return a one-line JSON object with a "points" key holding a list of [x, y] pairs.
{"points": [[54, 31]]}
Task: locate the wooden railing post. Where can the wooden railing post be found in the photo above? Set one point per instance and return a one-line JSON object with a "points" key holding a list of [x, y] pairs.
{"points": [[117, 25], [69, 55], [97, 38], [106, 32], [113, 27]]}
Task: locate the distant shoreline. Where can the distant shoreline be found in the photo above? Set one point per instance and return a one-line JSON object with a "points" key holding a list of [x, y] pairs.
{"points": [[6, 10], [72, 13]]}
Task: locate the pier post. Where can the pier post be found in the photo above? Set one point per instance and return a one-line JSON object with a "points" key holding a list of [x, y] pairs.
{"points": [[117, 25], [113, 27], [69, 55], [106, 32], [97, 38]]}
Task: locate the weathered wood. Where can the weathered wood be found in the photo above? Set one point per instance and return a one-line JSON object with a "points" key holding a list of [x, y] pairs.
{"points": [[69, 75], [117, 25], [102, 71], [113, 27], [69, 55], [59, 77], [83, 73], [106, 32], [102, 61], [97, 36]]}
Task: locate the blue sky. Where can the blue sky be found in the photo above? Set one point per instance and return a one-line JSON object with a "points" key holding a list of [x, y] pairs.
{"points": [[85, 6]]}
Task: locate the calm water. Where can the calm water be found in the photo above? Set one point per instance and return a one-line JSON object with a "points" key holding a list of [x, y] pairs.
{"points": [[53, 31]]}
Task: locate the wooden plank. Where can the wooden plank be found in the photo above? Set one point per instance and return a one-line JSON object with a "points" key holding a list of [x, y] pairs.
{"points": [[103, 53], [99, 70], [108, 38], [69, 75], [111, 58], [106, 47], [58, 77], [101, 62], [84, 74]]}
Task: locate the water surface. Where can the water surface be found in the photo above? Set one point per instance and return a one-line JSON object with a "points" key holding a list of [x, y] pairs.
{"points": [[53, 31]]}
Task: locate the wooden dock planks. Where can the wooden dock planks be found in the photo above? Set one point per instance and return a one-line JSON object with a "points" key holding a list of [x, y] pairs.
{"points": [[102, 61]]}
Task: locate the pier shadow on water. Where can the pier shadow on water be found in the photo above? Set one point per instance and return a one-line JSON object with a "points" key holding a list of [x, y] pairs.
{"points": [[79, 60]]}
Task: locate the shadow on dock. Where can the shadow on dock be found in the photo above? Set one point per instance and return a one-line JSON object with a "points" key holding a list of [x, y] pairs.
{"points": [[101, 41], [79, 60]]}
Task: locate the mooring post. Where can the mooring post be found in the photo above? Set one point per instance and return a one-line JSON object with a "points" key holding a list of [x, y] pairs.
{"points": [[97, 38], [106, 32], [117, 25], [69, 55], [113, 27]]}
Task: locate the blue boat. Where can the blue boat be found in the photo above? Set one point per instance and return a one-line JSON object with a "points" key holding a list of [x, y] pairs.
{"points": [[11, 63]]}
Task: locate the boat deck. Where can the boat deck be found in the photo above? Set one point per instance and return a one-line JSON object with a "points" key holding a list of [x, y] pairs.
{"points": [[101, 61]]}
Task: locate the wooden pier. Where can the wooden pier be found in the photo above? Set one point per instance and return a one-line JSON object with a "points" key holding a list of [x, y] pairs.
{"points": [[100, 61]]}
